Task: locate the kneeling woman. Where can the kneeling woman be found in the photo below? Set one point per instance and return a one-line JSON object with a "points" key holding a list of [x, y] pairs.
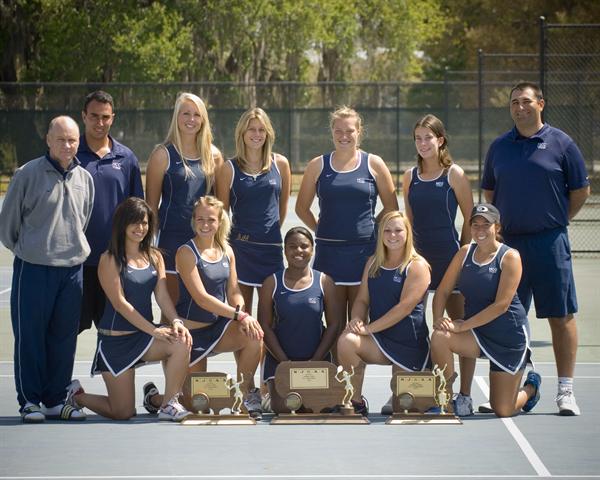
{"points": [[391, 294], [129, 272], [208, 291], [290, 311], [487, 273]]}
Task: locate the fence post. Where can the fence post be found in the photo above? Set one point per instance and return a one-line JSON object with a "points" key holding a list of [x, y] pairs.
{"points": [[446, 97], [480, 111], [398, 136], [543, 57]]}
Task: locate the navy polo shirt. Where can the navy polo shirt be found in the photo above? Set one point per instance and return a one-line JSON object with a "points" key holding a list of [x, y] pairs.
{"points": [[531, 178], [116, 177]]}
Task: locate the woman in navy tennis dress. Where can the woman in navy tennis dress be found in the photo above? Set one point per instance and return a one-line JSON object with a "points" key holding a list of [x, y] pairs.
{"points": [[388, 319], [290, 311], [255, 185], [433, 191], [181, 170], [130, 271], [495, 325], [348, 182]]}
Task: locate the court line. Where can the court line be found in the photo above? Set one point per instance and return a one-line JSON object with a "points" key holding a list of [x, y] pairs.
{"points": [[273, 476], [5, 291], [524, 445]]}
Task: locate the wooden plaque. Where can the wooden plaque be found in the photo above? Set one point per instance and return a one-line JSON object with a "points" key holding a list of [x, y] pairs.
{"points": [[318, 392], [211, 385]]}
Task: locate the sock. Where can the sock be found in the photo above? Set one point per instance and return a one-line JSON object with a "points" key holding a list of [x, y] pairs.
{"points": [[54, 410], [565, 384]]}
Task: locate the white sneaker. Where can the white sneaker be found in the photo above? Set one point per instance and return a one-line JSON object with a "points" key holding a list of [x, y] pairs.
{"points": [[173, 411], [388, 408], [253, 404], [463, 405], [567, 406], [74, 388]]}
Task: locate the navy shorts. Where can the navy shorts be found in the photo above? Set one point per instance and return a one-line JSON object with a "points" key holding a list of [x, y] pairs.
{"points": [[547, 272], [116, 354], [205, 339], [256, 261], [169, 242], [343, 262]]}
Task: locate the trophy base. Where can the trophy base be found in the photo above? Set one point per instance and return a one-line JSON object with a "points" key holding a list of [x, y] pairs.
{"points": [[319, 419], [231, 419], [423, 419]]}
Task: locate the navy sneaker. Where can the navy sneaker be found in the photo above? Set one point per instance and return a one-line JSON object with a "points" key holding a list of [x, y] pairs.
{"points": [[534, 379], [362, 407]]}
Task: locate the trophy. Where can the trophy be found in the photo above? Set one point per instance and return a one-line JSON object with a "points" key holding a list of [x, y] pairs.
{"points": [[315, 393], [212, 392], [421, 398]]}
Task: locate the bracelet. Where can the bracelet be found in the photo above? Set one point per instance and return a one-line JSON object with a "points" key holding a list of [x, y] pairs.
{"points": [[242, 315], [176, 320], [236, 314]]}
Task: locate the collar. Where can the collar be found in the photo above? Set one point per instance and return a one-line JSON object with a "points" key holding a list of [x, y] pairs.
{"points": [[539, 135], [115, 148], [74, 163]]}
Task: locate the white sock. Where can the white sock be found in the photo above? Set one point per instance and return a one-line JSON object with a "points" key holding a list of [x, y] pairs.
{"points": [[565, 384], [55, 410]]}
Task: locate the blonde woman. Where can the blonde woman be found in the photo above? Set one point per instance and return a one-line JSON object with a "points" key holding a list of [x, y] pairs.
{"points": [[348, 182], [388, 320], [181, 170], [211, 301], [255, 185]]}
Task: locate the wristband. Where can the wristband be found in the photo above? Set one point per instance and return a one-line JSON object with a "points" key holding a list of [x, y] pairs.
{"points": [[176, 320], [236, 314]]}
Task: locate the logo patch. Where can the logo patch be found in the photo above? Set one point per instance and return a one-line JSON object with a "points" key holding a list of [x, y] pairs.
{"points": [[272, 182], [312, 300], [542, 146], [361, 180], [116, 165], [397, 278], [493, 269], [439, 184]]}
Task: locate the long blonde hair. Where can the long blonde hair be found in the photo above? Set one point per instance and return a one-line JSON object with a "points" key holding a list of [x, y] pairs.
{"points": [[204, 138], [410, 253], [437, 127], [224, 223], [344, 112], [240, 146]]}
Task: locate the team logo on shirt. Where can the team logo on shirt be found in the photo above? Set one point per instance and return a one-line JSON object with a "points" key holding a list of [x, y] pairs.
{"points": [[439, 184], [225, 264], [361, 180], [493, 269], [542, 146], [116, 165], [313, 300], [272, 182], [397, 278]]}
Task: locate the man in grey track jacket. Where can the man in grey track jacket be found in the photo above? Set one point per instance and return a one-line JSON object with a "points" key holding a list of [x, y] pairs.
{"points": [[43, 220]]}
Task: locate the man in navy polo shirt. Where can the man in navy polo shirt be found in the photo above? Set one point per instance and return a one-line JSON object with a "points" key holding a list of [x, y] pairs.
{"points": [[116, 173], [536, 176]]}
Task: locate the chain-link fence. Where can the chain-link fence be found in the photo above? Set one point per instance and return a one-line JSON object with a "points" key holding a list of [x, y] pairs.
{"points": [[568, 69]]}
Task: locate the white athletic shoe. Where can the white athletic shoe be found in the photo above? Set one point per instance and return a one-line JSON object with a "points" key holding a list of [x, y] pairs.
{"points": [[388, 408], [253, 404], [567, 406], [463, 405], [173, 411]]}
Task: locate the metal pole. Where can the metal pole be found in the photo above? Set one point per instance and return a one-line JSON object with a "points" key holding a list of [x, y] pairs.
{"points": [[543, 59], [398, 137], [480, 109], [446, 97]]}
